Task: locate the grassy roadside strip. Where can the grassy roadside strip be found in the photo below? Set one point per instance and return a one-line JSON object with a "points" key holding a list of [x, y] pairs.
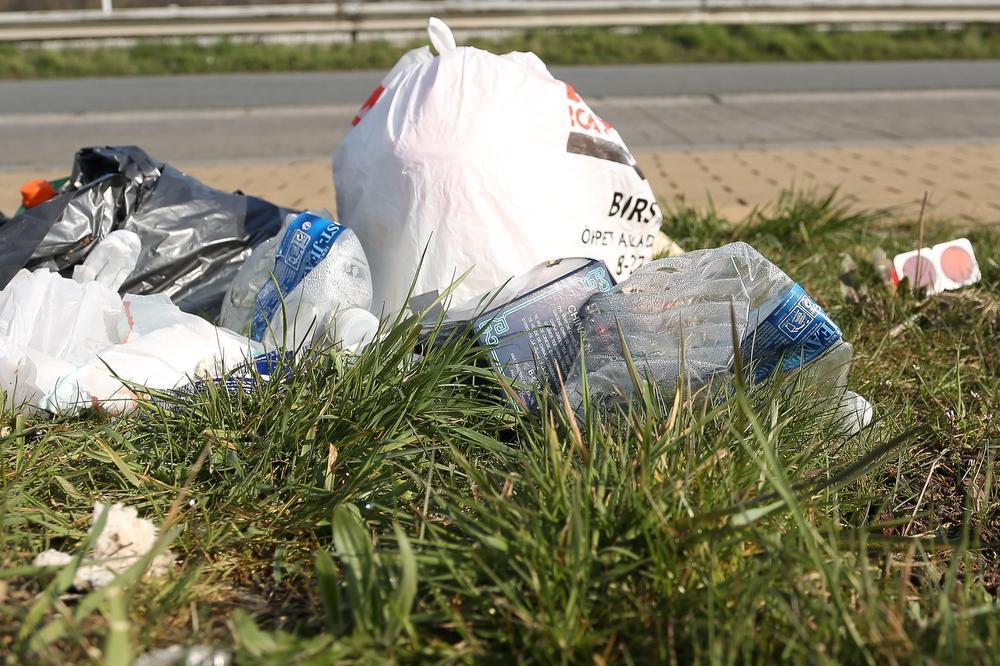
{"points": [[672, 44], [392, 510]]}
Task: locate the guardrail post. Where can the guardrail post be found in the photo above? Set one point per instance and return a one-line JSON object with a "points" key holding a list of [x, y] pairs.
{"points": [[106, 6]]}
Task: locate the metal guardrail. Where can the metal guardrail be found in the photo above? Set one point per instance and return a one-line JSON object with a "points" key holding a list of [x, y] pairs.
{"points": [[358, 20]]}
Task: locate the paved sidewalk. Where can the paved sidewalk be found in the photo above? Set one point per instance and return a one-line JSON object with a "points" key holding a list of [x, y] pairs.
{"points": [[962, 180]]}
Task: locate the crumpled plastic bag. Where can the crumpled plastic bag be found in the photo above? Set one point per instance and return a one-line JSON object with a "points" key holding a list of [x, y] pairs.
{"points": [[111, 261], [492, 165], [65, 345]]}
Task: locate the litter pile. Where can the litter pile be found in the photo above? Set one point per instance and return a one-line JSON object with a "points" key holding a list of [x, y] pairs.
{"points": [[462, 166]]}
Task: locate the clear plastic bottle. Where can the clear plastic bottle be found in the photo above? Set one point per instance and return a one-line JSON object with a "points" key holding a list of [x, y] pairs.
{"points": [[677, 316], [292, 288], [237, 306]]}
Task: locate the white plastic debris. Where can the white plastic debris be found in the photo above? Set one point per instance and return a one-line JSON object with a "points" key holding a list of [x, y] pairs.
{"points": [[491, 165], [855, 413], [946, 266], [180, 655], [112, 261], [355, 328], [66, 344], [124, 540]]}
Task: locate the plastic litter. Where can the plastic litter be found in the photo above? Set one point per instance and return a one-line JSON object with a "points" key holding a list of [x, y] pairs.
{"points": [[309, 285], [193, 237], [182, 655], [36, 192], [124, 539], [488, 163], [532, 324], [946, 266], [355, 328], [676, 317], [112, 261], [247, 379], [65, 345]]}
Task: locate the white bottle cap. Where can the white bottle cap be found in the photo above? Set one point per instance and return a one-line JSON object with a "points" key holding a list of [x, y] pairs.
{"points": [[355, 327]]}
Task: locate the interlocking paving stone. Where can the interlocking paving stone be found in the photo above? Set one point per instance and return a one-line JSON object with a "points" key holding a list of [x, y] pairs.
{"points": [[962, 179]]}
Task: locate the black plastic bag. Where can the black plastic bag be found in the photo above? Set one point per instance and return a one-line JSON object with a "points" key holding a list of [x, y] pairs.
{"points": [[194, 237]]}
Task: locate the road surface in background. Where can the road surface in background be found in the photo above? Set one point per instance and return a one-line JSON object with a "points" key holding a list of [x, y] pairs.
{"points": [[294, 116], [723, 115]]}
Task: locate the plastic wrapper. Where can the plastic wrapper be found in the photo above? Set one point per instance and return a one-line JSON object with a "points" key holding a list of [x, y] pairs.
{"points": [[193, 237]]}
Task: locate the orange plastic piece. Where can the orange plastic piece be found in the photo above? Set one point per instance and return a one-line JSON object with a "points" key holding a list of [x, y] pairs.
{"points": [[35, 192]]}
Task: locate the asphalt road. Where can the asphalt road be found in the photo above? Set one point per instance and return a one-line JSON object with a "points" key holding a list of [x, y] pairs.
{"points": [[303, 116]]}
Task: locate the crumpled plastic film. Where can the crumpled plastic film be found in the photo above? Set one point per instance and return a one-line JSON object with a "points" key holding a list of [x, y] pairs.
{"points": [[66, 345]]}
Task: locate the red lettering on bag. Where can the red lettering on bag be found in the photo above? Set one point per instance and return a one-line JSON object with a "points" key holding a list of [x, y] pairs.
{"points": [[585, 119], [590, 121], [369, 103]]}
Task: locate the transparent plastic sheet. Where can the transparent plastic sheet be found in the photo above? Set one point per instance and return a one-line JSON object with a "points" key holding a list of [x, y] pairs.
{"points": [[194, 237]]}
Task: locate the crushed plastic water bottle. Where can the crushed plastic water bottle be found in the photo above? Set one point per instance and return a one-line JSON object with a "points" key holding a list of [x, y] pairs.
{"points": [[254, 273], [677, 316], [308, 284]]}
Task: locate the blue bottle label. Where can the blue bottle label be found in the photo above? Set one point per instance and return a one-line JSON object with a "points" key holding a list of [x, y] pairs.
{"points": [[305, 244], [796, 332], [258, 371]]}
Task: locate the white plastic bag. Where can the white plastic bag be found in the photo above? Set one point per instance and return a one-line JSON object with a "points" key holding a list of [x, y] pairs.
{"points": [[66, 344], [491, 164]]}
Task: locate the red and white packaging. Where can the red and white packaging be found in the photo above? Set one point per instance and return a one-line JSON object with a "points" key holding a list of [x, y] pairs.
{"points": [[946, 266], [492, 165]]}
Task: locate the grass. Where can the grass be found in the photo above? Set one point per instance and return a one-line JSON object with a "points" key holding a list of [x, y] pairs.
{"points": [[393, 509], [694, 43]]}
